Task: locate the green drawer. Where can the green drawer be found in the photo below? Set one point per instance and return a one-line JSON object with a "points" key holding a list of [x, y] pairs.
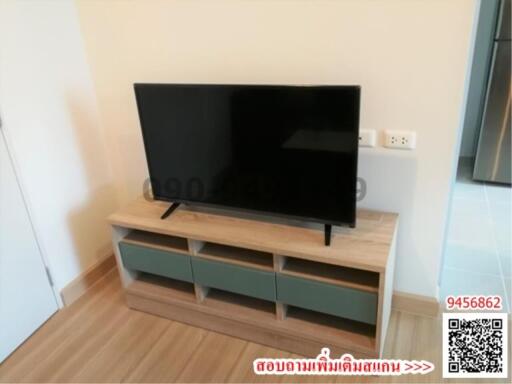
{"points": [[159, 262], [327, 298], [234, 278]]}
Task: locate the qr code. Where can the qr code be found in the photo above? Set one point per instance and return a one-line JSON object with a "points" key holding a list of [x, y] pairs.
{"points": [[475, 345]]}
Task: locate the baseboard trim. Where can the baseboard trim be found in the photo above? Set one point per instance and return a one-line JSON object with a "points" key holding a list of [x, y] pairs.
{"points": [[416, 304], [76, 288]]}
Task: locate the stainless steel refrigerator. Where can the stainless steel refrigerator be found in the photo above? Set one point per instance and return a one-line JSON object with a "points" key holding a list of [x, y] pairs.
{"points": [[493, 157]]}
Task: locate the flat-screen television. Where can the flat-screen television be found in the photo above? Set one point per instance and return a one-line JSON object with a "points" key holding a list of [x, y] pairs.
{"points": [[274, 149]]}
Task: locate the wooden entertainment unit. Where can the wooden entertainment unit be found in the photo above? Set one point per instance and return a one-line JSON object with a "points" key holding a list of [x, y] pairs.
{"points": [[271, 282]]}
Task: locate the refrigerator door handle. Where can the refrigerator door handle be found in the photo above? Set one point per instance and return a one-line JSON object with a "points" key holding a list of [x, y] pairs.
{"points": [[503, 28]]}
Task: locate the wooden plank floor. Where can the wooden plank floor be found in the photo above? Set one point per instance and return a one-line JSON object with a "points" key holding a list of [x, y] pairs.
{"points": [[98, 339]]}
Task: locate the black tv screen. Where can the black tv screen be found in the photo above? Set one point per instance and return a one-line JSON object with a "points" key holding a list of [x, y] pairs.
{"points": [[282, 150]]}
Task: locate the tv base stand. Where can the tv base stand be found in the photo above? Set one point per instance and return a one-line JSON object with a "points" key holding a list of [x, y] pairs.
{"points": [[327, 234], [272, 282], [170, 210]]}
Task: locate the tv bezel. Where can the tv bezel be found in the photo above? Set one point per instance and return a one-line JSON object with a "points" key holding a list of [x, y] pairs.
{"points": [[357, 111]]}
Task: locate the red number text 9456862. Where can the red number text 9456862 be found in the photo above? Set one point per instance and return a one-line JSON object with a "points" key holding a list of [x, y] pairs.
{"points": [[490, 303]]}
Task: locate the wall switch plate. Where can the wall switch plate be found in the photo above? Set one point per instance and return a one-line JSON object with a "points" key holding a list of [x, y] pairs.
{"points": [[400, 139], [367, 137]]}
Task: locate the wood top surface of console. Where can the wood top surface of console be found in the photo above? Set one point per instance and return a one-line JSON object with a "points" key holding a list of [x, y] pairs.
{"points": [[366, 247]]}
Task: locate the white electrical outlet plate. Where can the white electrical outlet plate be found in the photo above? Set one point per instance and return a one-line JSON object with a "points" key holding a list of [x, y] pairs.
{"points": [[367, 137], [400, 139]]}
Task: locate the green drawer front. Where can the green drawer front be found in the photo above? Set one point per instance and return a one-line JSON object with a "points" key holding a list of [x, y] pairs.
{"points": [[327, 298], [234, 278], [156, 261]]}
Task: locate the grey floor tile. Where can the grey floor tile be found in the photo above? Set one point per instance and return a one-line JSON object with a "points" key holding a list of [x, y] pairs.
{"points": [[501, 214], [471, 230], [473, 259], [508, 287], [499, 193], [469, 190], [478, 258], [506, 262], [457, 282]]}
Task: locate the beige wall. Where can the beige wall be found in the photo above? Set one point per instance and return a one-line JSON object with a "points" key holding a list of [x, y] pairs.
{"points": [[50, 118], [409, 57]]}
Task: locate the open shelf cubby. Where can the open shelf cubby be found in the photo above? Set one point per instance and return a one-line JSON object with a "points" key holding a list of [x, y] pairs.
{"points": [[332, 274], [329, 327], [162, 288], [240, 305], [189, 266], [236, 255], [157, 240], [330, 324]]}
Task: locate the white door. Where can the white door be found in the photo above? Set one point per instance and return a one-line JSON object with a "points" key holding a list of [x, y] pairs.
{"points": [[26, 297]]}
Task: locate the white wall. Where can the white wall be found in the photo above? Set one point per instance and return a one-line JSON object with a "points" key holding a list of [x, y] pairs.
{"points": [[409, 56], [50, 117]]}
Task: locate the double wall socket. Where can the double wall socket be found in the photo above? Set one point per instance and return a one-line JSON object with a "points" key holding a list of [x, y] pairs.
{"points": [[400, 139], [367, 137]]}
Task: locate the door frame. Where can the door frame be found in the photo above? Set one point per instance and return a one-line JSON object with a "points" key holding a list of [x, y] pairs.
{"points": [[458, 142]]}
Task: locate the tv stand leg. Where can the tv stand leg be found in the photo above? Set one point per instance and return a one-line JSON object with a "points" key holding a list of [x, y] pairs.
{"points": [[170, 210], [327, 233]]}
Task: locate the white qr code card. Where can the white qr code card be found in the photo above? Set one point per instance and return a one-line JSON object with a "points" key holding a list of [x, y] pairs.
{"points": [[475, 345]]}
